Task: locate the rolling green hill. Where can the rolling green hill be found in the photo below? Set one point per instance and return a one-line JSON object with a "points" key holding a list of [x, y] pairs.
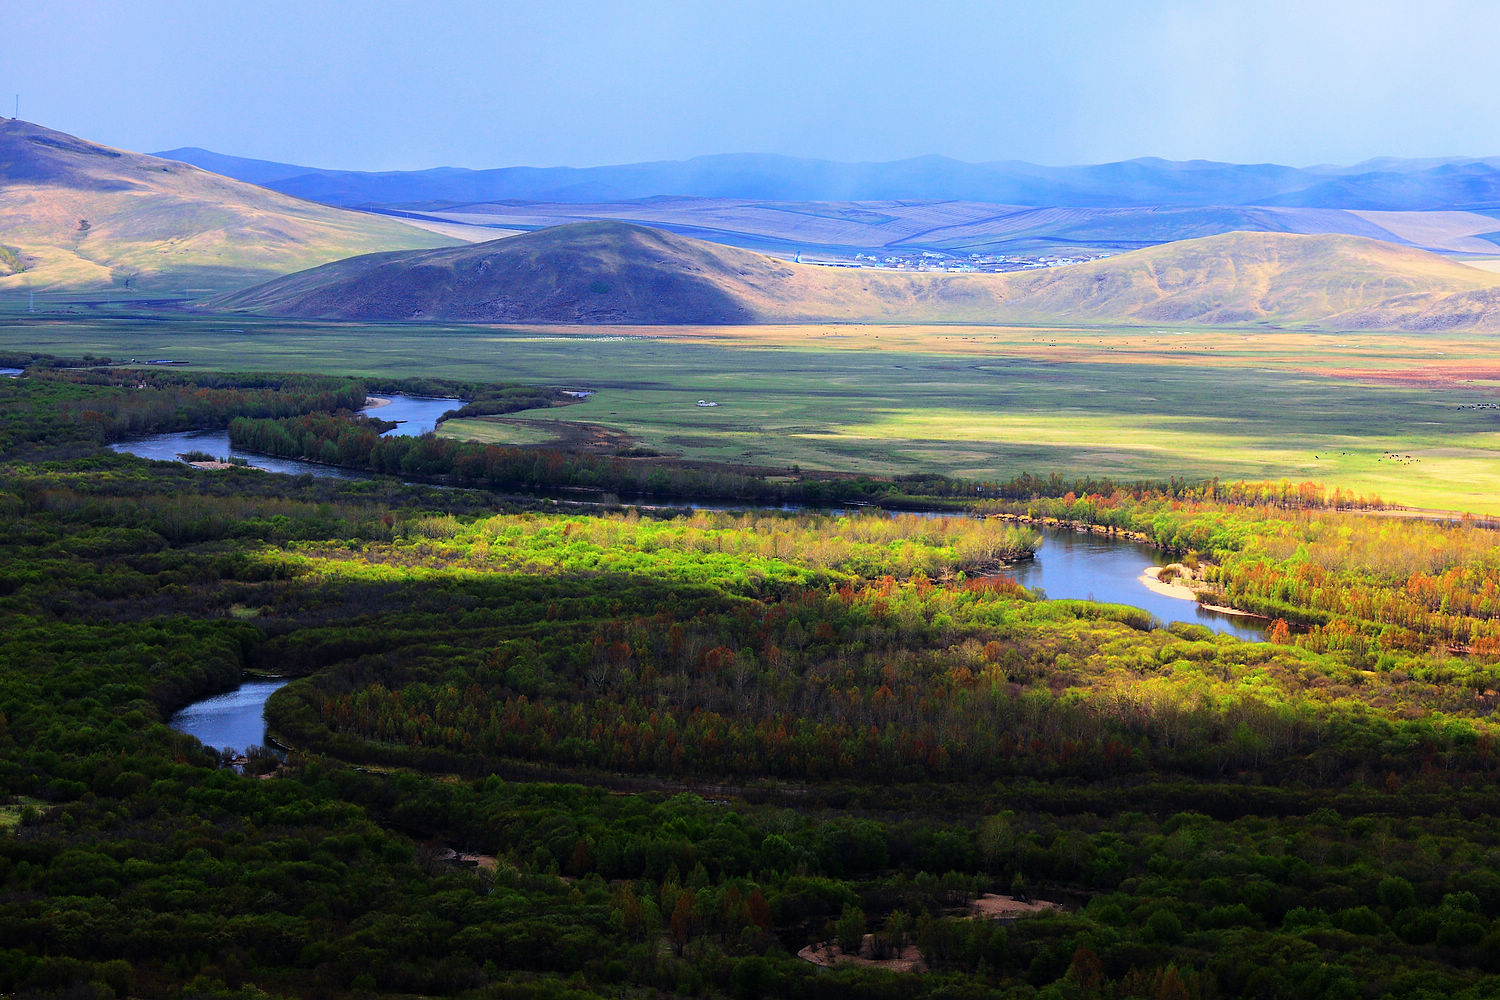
{"points": [[605, 272], [76, 215]]}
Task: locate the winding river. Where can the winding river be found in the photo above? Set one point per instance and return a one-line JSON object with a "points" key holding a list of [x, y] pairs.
{"points": [[417, 415], [414, 415], [1074, 564], [1068, 565]]}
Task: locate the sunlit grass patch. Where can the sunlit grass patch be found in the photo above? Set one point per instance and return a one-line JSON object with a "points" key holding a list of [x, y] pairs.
{"points": [[11, 813]]}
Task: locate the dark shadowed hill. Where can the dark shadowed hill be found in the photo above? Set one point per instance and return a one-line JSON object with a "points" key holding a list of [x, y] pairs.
{"points": [[611, 272], [74, 214], [606, 272], [597, 272]]}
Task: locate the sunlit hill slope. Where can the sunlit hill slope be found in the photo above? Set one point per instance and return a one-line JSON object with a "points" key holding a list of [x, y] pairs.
{"points": [[74, 214], [606, 272], [1244, 278]]}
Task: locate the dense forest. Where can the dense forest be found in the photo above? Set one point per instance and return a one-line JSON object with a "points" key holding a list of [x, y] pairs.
{"points": [[677, 748]]}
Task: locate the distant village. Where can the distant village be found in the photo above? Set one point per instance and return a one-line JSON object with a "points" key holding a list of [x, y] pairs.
{"points": [[972, 263]]}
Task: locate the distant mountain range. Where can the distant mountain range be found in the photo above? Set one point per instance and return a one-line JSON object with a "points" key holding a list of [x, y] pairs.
{"points": [[75, 214], [1376, 185], [610, 272], [903, 230]]}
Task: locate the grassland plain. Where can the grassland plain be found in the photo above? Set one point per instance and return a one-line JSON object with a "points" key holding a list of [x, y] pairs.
{"points": [[1398, 415]]}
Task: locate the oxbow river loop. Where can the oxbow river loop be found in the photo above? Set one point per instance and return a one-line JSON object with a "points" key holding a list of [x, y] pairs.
{"points": [[1068, 565], [416, 415]]}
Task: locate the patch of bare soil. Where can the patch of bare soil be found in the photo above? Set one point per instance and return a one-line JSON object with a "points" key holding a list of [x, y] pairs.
{"points": [[485, 861], [567, 434], [448, 856], [828, 954], [1435, 375], [993, 906]]}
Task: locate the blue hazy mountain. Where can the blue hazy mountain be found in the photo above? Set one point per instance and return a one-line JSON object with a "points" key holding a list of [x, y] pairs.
{"points": [[1385, 184]]}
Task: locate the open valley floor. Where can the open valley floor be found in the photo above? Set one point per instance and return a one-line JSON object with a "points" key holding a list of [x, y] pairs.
{"points": [[1410, 418]]}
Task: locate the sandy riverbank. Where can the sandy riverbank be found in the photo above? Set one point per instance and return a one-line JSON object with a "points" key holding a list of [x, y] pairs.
{"points": [[219, 465], [373, 402], [1150, 578]]}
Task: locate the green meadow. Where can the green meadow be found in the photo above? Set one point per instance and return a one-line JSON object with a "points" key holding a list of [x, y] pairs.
{"points": [[1393, 415]]}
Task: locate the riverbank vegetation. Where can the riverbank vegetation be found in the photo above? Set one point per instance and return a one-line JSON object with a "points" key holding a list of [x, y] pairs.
{"points": [[1366, 586], [681, 747]]}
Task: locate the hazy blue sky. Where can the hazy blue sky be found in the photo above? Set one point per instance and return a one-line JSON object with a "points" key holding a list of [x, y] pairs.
{"points": [[572, 82]]}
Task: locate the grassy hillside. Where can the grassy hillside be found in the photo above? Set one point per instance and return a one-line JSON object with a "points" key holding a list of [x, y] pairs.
{"points": [[1243, 278], [74, 214], [599, 272], [607, 272], [1478, 310]]}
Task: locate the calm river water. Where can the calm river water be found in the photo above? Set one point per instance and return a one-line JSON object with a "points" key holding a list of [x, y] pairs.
{"points": [[235, 719], [415, 415], [418, 415], [1098, 568]]}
